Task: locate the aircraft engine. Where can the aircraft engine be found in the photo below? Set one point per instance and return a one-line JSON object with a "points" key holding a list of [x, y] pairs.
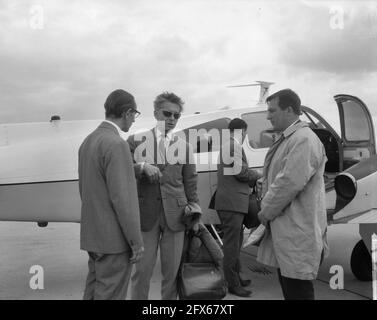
{"points": [[356, 190]]}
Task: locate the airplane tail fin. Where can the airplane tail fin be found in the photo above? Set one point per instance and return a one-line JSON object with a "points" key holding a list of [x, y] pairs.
{"points": [[263, 92]]}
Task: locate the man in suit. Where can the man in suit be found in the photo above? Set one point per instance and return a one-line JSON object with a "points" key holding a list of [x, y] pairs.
{"points": [[110, 221], [234, 179], [163, 196]]}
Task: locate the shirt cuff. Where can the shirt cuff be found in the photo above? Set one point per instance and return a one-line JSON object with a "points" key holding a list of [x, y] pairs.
{"points": [[142, 166]]}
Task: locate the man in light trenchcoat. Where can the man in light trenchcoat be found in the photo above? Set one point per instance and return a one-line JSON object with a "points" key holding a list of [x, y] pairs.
{"points": [[293, 208]]}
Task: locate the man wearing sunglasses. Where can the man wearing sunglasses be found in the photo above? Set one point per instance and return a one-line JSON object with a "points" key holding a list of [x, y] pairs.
{"points": [[163, 197]]}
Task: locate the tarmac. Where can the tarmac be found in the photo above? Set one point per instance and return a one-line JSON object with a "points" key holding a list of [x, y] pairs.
{"points": [[54, 250]]}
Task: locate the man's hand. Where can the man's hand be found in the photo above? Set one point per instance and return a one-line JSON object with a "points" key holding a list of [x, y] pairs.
{"points": [[195, 227], [153, 173], [137, 253], [262, 219]]}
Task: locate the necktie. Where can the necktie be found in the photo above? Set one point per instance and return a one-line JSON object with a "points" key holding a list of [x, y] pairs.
{"points": [[270, 155], [162, 150]]}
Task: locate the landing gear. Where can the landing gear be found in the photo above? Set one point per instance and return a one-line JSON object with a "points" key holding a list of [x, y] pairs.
{"points": [[42, 224], [361, 262]]}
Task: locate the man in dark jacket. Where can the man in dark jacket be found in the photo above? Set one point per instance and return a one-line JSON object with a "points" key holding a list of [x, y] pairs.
{"points": [[234, 179]]}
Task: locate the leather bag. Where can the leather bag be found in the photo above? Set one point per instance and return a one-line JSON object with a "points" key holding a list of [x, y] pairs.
{"points": [[201, 281], [251, 219], [200, 276]]}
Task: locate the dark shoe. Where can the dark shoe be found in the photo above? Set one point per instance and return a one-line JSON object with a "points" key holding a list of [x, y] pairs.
{"points": [[239, 291], [245, 283]]}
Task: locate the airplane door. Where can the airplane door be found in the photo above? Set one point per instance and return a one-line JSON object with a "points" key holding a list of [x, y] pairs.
{"points": [[330, 139], [357, 132]]}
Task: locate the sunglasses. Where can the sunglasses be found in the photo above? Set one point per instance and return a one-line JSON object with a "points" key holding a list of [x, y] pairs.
{"points": [[168, 114]]}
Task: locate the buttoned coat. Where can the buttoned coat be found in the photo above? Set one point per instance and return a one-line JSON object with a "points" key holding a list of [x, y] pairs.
{"points": [[177, 186], [294, 203], [110, 221]]}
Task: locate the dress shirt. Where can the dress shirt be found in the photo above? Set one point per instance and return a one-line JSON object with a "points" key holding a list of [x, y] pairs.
{"points": [[116, 126]]}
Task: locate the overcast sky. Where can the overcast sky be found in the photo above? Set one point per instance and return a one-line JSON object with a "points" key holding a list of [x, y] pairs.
{"points": [[64, 57]]}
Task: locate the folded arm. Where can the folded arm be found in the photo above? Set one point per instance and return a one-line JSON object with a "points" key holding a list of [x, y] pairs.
{"points": [[297, 167]]}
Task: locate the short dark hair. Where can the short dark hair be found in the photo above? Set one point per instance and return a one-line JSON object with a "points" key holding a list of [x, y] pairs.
{"points": [[118, 102], [237, 123], [170, 97], [287, 98]]}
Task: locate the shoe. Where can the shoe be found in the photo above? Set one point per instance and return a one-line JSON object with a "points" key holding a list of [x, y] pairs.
{"points": [[245, 282], [239, 291]]}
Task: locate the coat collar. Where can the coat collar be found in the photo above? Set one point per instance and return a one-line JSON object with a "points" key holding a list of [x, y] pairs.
{"points": [[294, 127], [110, 125]]}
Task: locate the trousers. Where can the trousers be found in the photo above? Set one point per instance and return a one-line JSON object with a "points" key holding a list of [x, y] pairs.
{"points": [[232, 223], [108, 276], [170, 244], [296, 289]]}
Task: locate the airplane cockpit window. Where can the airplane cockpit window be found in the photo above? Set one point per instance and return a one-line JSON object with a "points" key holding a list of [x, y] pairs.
{"points": [[259, 130], [207, 135], [356, 124]]}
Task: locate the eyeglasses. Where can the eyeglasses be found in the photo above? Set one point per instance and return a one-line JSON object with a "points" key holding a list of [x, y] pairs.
{"points": [[136, 113], [168, 114]]}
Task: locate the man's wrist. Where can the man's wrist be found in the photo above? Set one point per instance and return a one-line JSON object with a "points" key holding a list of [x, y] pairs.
{"points": [[142, 164]]}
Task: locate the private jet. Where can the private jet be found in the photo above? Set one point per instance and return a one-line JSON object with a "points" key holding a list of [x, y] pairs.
{"points": [[39, 165]]}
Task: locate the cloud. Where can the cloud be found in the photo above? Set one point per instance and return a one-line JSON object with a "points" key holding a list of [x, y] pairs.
{"points": [[332, 38], [196, 48]]}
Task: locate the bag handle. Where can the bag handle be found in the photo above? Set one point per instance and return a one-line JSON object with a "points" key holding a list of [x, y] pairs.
{"points": [[186, 245]]}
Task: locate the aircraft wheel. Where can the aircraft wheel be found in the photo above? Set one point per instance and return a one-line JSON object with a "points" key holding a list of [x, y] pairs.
{"points": [[361, 262]]}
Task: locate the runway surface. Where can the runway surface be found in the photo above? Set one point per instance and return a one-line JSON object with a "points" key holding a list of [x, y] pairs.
{"points": [[56, 249]]}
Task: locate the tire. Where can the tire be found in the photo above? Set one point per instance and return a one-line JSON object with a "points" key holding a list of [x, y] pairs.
{"points": [[361, 262]]}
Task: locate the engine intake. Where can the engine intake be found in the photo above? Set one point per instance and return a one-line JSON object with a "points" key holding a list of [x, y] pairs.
{"points": [[345, 186]]}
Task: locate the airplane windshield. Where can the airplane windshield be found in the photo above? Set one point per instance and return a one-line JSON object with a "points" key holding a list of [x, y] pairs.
{"points": [[259, 130]]}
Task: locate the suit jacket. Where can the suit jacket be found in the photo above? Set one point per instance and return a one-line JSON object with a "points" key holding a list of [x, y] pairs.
{"points": [[177, 187], [110, 221], [233, 178]]}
